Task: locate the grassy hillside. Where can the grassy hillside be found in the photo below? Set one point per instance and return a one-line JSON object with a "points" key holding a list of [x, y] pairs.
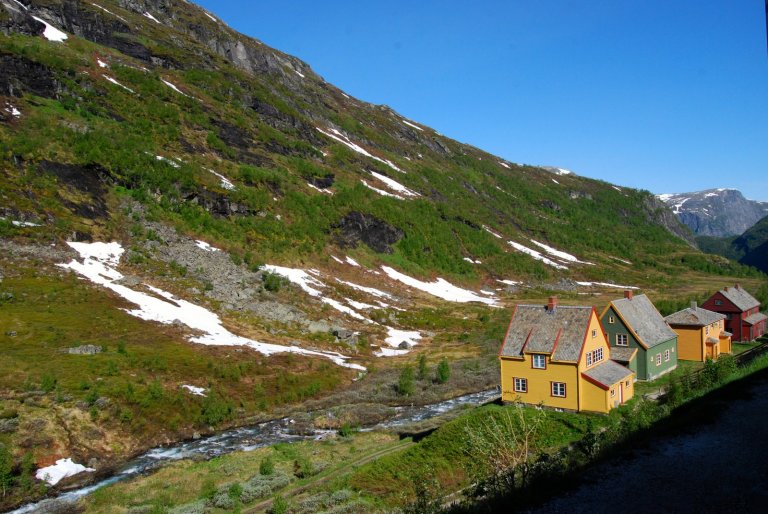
{"points": [[157, 134]]}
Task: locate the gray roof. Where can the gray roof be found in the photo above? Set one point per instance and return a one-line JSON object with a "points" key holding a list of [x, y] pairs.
{"points": [[643, 318], [740, 298], [608, 373], [712, 340], [535, 329], [755, 318], [622, 354], [695, 317]]}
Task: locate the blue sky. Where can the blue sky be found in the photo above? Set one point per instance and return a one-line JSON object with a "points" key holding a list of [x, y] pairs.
{"points": [[669, 96]]}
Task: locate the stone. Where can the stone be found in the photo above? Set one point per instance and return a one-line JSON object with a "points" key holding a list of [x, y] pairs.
{"points": [[86, 349]]}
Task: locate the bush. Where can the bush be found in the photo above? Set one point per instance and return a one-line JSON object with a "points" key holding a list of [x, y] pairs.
{"points": [[198, 507], [266, 466], [222, 500], [253, 492], [405, 385], [443, 372], [272, 282], [279, 506], [423, 370]]}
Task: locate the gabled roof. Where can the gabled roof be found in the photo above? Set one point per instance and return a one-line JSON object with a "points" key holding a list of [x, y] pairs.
{"points": [[739, 297], [694, 317], [621, 354], [640, 315], [607, 374], [755, 318], [559, 332]]}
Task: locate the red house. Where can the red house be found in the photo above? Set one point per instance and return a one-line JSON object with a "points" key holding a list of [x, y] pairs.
{"points": [[742, 312]]}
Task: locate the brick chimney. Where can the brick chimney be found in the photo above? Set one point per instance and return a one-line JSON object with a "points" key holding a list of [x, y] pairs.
{"points": [[694, 305], [552, 303], [628, 294]]}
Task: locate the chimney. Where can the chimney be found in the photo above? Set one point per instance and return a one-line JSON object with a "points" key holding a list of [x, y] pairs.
{"points": [[737, 286], [552, 303], [694, 306], [726, 289], [628, 294]]}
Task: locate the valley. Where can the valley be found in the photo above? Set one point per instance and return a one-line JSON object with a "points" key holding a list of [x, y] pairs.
{"points": [[206, 247]]}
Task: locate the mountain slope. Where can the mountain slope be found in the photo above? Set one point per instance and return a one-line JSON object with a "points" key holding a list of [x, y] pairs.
{"points": [[716, 212], [270, 236]]}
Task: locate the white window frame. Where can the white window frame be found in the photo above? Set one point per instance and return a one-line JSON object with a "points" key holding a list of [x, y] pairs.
{"points": [[658, 359], [598, 355], [539, 357], [667, 356], [521, 385], [620, 338], [613, 393], [556, 389], [589, 358], [611, 320]]}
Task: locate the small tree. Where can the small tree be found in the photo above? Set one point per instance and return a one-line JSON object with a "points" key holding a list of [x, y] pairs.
{"points": [[443, 372], [405, 386], [423, 370], [6, 469], [266, 466]]}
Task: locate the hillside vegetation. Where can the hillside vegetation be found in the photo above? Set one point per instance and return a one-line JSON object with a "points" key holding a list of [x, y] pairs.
{"points": [[207, 155]]}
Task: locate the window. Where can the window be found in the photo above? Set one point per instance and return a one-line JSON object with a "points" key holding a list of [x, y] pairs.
{"points": [[706, 330], [621, 340], [594, 333], [521, 385], [626, 383], [658, 359], [611, 320], [558, 389], [598, 355], [666, 356], [539, 361], [718, 302], [613, 393], [589, 358]]}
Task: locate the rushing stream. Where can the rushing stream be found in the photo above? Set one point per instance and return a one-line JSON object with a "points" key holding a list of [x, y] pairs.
{"points": [[250, 438]]}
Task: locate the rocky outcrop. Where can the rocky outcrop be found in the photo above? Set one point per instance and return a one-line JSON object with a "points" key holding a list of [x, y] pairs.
{"points": [[657, 212], [19, 75], [218, 204], [378, 235], [716, 212]]}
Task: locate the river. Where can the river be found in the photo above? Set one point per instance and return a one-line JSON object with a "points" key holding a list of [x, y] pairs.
{"points": [[250, 438]]}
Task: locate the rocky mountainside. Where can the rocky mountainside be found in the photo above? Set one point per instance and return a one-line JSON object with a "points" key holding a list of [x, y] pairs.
{"points": [[716, 212], [199, 231], [749, 248]]}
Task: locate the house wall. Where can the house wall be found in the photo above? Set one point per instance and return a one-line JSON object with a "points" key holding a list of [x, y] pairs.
{"points": [[539, 382], [655, 371], [726, 307], [619, 327], [594, 398], [690, 343]]}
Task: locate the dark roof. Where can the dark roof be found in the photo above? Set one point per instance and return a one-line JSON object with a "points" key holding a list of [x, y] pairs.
{"points": [[560, 332], [694, 316], [643, 318], [755, 318], [608, 373], [740, 298], [621, 354]]}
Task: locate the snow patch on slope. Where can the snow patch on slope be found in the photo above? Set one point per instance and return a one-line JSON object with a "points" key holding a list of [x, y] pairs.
{"points": [[341, 138], [536, 255], [440, 288], [97, 265], [63, 468], [51, 33]]}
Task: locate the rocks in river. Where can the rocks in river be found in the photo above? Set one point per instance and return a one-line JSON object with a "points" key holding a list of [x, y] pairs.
{"points": [[86, 349]]}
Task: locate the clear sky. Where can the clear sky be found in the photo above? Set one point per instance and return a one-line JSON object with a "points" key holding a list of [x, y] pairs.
{"points": [[664, 95]]}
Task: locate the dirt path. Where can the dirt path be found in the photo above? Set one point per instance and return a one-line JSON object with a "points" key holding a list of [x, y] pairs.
{"points": [[718, 465], [296, 490]]}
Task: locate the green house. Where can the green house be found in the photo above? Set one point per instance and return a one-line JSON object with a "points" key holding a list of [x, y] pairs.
{"points": [[639, 337]]}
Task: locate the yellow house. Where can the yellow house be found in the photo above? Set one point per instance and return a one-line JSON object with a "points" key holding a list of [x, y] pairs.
{"points": [[701, 333], [558, 356]]}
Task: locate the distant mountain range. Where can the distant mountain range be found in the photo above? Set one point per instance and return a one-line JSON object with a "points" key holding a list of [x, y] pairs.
{"points": [[716, 212], [750, 248]]}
